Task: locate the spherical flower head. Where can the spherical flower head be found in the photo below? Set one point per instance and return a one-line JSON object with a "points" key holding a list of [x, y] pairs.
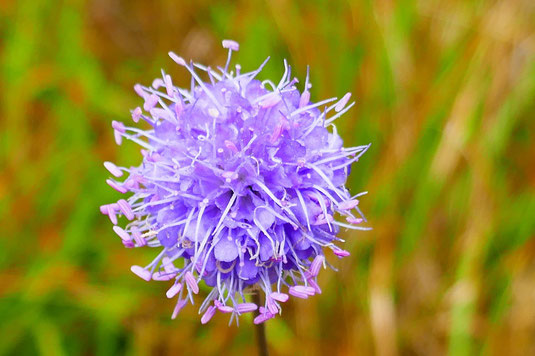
{"points": [[241, 186]]}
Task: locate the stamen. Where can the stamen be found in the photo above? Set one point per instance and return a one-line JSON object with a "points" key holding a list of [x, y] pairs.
{"points": [[116, 186], [136, 114], [316, 265], [173, 291], [113, 169], [191, 282], [178, 307], [297, 292], [126, 209], [305, 99], [208, 315], [341, 253], [121, 233], [280, 297], [224, 308], [314, 285], [353, 220], [246, 307], [111, 215], [348, 204], [231, 46], [340, 105], [180, 61], [141, 272]]}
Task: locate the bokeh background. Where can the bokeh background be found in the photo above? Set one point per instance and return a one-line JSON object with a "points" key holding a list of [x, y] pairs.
{"points": [[445, 93]]}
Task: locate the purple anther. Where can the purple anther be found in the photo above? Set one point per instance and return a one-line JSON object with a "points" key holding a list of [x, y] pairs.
{"points": [[116, 186], [225, 308], [271, 306], [163, 276], [316, 265], [264, 315], [150, 103], [191, 282], [208, 314], [178, 60], [113, 169], [140, 91], [157, 83], [136, 235], [118, 126], [340, 105], [169, 85], [104, 209], [230, 44], [130, 184], [305, 289], [168, 265], [136, 114], [341, 253], [122, 233], [279, 297], [314, 285], [348, 204], [260, 319], [128, 244], [178, 110], [126, 209], [118, 137], [246, 307], [111, 215], [270, 101], [171, 292], [353, 220], [178, 307], [305, 99], [222, 307], [141, 272], [297, 292]]}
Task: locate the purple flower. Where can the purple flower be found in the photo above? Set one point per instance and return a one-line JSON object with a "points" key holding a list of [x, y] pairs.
{"points": [[241, 186]]}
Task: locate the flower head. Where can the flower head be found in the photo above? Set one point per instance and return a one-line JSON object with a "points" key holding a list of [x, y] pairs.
{"points": [[241, 186]]}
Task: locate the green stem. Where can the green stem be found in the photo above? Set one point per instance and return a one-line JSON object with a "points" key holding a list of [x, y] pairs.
{"points": [[260, 329]]}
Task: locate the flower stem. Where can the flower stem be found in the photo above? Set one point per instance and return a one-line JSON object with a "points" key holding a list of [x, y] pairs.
{"points": [[260, 329]]}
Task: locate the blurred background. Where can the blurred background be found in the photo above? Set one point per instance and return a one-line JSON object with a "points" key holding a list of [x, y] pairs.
{"points": [[445, 93]]}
